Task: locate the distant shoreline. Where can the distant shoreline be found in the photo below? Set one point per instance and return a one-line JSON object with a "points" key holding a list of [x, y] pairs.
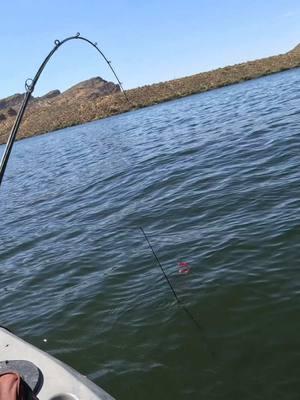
{"points": [[51, 117]]}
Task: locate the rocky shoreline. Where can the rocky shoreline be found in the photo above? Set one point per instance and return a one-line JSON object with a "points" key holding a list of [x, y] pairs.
{"points": [[95, 99]]}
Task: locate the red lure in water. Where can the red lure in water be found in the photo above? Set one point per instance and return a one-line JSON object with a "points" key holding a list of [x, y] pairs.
{"points": [[184, 268]]}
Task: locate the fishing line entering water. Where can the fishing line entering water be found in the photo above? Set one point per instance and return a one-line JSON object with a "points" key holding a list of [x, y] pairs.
{"points": [[179, 301]]}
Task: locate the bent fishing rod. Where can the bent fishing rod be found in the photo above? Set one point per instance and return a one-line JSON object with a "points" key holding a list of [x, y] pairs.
{"points": [[30, 86]]}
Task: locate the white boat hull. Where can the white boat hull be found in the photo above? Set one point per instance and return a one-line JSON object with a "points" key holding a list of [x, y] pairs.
{"points": [[60, 382]]}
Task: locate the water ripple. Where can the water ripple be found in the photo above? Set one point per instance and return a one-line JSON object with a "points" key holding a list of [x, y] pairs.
{"points": [[214, 180]]}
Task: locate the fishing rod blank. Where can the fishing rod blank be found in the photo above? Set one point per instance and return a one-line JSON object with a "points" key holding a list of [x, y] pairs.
{"points": [[30, 86]]}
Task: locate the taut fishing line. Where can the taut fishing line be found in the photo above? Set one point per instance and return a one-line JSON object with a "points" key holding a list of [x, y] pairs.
{"points": [[179, 301]]}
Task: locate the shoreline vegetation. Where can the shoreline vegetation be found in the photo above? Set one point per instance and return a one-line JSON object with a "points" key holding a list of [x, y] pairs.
{"points": [[80, 104]]}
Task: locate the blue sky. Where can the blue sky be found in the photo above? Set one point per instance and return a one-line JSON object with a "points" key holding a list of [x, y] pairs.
{"points": [[147, 41]]}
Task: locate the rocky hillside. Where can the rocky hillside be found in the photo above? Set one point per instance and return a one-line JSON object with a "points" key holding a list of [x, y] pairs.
{"points": [[96, 98], [40, 111]]}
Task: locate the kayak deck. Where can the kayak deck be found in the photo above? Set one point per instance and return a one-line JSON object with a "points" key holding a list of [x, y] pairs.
{"points": [[60, 382]]}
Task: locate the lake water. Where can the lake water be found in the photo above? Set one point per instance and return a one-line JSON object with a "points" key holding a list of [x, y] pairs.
{"points": [[214, 181]]}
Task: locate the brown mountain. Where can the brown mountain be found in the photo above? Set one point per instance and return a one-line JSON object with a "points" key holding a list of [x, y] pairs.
{"points": [[91, 89], [42, 108], [11, 101], [96, 98]]}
